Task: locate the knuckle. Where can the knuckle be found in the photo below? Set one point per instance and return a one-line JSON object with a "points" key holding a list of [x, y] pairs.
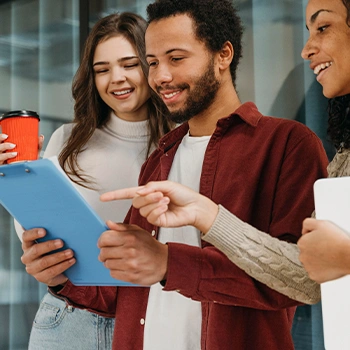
{"points": [[107, 264], [34, 250], [29, 270], [43, 262], [23, 259]]}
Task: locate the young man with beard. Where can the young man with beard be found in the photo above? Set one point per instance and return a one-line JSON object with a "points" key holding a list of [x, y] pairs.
{"points": [[259, 168]]}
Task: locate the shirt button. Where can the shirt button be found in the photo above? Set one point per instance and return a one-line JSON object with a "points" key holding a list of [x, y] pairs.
{"points": [[142, 321], [153, 233]]}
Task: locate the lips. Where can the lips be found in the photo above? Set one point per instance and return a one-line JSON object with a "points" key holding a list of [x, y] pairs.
{"points": [[122, 92], [170, 95], [321, 67]]}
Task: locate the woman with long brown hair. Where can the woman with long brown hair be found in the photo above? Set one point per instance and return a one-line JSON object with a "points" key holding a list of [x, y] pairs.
{"points": [[117, 122]]}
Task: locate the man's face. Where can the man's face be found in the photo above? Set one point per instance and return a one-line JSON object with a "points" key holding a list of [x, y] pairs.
{"points": [[182, 69]]}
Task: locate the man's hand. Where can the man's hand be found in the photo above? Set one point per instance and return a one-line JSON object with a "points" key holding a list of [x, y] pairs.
{"points": [[133, 255], [44, 267]]}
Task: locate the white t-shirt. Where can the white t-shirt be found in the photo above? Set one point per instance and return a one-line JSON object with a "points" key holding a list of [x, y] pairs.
{"points": [[173, 321]]}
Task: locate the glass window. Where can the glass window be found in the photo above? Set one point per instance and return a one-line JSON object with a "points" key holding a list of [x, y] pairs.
{"points": [[39, 54]]}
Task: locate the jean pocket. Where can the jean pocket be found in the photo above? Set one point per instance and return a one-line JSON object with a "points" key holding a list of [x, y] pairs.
{"points": [[50, 314]]}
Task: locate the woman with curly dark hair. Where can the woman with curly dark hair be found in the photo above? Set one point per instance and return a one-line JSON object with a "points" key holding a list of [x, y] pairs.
{"points": [[324, 248]]}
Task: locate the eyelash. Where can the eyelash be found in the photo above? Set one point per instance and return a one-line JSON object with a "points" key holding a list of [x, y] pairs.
{"points": [[174, 59], [129, 66], [321, 29]]}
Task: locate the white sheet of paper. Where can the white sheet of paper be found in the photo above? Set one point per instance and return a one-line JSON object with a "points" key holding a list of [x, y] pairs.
{"points": [[332, 202]]}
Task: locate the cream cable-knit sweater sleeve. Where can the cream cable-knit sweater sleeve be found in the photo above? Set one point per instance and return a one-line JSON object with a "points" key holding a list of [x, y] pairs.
{"points": [[263, 257]]}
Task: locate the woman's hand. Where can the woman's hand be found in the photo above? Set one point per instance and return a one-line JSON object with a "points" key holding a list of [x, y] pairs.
{"points": [[324, 250], [6, 146], [169, 204], [40, 144], [44, 267]]}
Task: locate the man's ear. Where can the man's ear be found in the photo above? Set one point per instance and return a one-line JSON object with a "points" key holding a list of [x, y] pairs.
{"points": [[226, 55]]}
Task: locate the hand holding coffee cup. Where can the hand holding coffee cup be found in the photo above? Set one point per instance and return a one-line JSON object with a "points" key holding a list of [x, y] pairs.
{"points": [[19, 138]]}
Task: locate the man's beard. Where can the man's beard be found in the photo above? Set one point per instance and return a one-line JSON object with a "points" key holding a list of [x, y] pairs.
{"points": [[200, 98]]}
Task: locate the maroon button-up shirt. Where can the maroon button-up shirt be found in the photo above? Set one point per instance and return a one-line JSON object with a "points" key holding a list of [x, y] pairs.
{"points": [[262, 169]]}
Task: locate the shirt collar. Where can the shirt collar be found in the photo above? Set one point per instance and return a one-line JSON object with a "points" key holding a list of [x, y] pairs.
{"points": [[247, 112]]}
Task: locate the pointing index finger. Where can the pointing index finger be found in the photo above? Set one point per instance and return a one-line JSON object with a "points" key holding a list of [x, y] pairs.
{"points": [[124, 193]]}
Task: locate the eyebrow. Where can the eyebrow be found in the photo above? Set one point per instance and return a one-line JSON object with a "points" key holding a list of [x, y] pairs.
{"points": [[315, 15], [168, 52], [123, 59]]}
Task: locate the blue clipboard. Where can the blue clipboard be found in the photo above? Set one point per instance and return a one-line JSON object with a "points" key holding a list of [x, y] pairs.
{"points": [[40, 194]]}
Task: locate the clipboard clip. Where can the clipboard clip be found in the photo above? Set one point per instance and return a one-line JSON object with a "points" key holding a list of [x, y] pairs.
{"points": [[14, 173]]}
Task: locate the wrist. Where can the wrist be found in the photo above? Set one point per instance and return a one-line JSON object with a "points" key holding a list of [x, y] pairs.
{"points": [[206, 213]]}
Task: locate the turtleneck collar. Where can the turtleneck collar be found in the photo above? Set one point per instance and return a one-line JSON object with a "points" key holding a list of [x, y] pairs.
{"points": [[125, 128]]}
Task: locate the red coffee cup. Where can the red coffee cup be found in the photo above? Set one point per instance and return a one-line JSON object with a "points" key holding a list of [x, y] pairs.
{"points": [[22, 128]]}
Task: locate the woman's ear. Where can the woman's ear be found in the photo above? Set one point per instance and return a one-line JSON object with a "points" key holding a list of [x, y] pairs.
{"points": [[226, 55]]}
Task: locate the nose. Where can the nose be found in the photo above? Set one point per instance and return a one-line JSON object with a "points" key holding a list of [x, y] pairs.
{"points": [[118, 75], [309, 50], [159, 76]]}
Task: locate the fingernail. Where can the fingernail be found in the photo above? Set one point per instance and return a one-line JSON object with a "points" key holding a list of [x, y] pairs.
{"points": [[12, 145], [3, 136], [68, 253], [41, 233], [58, 243], [13, 154]]}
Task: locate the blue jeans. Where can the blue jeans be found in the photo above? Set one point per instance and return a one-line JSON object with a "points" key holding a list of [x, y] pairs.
{"points": [[58, 326]]}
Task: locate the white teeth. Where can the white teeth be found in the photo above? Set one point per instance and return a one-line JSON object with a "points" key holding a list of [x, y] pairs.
{"points": [[119, 93], [322, 66], [171, 95]]}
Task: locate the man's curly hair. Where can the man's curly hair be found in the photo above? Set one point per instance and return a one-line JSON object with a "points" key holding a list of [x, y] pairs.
{"points": [[215, 23]]}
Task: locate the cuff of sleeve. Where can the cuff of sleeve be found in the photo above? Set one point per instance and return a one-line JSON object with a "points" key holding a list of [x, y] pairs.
{"points": [[62, 290], [226, 227], [184, 263]]}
